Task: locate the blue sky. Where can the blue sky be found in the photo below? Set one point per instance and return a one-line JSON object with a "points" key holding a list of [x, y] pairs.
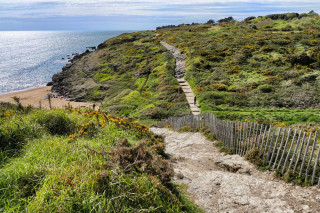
{"points": [[134, 14]]}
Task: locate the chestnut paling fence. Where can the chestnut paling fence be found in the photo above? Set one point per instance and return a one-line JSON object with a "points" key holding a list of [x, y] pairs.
{"points": [[284, 149]]}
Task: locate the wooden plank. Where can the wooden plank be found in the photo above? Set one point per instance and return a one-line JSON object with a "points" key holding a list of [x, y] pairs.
{"points": [[300, 151], [252, 136], [275, 146], [263, 137], [305, 154], [236, 137], [271, 143], [316, 161], [259, 138], [284, 148], [255, 136], [279, 149], [245, 135], [241, 138], [290, 148], [311, 155], [295, 150], [249, 137], [233, 137], [266, 144]]}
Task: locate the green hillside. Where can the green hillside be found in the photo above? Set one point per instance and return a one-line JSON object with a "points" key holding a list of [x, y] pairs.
{"points": [[82, 161], [131, 74], [268, 71]]}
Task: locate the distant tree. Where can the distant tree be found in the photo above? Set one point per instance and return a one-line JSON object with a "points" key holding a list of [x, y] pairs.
{"points": [[211, 21], [229, 19]]}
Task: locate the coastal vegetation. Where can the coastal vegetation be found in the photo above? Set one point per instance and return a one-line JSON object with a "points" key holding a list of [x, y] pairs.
{"points": [[76, 160], [131, 75], [264, 69]]}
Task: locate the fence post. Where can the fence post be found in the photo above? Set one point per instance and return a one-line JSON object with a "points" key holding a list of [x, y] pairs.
{"points": [[275, 146], [311, 155], [264, 134], [256, 138], [298, 156], [244, 145], [315, 166], [240, 138], [295, 150], [290, 148], [305, 154], [279, 149], [249, 137], [284, 148], [271, 143], [253, 135], [259, 137], [267, 141]]}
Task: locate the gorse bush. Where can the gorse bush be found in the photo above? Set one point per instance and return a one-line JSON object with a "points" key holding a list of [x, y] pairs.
{"points": [[55, 122], [255, 156], [272, 67], [84, 161]]}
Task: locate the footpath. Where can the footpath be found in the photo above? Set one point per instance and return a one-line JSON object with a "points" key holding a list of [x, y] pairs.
{"points": [[179, 74], [228, 183]]}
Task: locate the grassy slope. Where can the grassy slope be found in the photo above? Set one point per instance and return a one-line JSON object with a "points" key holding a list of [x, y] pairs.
{"points": [[66, 161], [269, 75], [132, 74]]}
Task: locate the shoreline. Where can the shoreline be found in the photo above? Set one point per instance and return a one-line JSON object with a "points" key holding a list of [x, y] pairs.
{"points": [[36, 98]]}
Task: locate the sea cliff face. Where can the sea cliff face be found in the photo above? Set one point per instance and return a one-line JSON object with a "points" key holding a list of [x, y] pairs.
{"points": [[131, 74]]}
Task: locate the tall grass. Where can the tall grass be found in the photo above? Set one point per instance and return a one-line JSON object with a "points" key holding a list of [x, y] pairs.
{"points": [[66, 170]]}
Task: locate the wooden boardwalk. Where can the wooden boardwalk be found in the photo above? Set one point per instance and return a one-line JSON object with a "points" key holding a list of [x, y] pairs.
{"points": [[179, 74]]}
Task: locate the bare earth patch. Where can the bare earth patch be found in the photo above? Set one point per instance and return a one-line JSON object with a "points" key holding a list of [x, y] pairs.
{"points": [[228, 183]]}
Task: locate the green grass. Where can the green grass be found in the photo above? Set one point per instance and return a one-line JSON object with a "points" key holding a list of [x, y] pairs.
{"points": [[70, 169], [270, 74], [128, 74]]}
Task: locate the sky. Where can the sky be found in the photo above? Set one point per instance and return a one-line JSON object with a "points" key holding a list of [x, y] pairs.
{"points": [[134, 14]]}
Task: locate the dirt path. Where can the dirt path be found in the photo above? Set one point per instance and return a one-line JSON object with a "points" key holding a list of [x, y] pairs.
{"points": [[179, 74], [228, 183]]}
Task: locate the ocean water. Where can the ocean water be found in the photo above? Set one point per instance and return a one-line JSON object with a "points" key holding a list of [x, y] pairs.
{"points": [[28, 59]]}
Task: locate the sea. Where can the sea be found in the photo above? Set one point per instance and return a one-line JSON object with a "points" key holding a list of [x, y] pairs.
{"points": [[28, 59]]}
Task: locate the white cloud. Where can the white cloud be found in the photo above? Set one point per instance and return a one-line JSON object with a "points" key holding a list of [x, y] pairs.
{"points": [[47, 8]]}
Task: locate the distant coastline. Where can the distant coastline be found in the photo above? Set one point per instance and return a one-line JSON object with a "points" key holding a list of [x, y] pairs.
{"points": [[32, 63]]}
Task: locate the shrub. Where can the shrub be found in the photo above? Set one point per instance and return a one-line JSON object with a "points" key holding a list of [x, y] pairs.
{"points": [[287, 28], [220, 87], [265, 88], [223, 148], [293, 177], [14, 133], [302, 59], [208, 134], [185, 129], [267, 48], [255, 156], [55, 122]]}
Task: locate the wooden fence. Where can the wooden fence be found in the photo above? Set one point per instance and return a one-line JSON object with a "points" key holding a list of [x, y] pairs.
{"points": [[284, 149]]}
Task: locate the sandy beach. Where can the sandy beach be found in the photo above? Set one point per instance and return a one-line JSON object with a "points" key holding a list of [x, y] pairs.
{"points": [[35, 97]]}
